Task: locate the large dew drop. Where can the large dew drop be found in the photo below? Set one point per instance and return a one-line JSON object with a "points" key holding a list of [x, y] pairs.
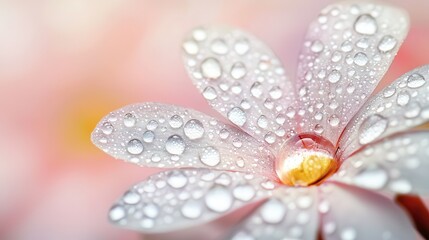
{"points": [[193, 129], [175, 145], [177, 179], [210, 156], [387, 44], [211, 69], [192, 209], [415, 80], [219, 199], [237, 116], [135, 146], [273, 211], [366, 25], [371, 128]]}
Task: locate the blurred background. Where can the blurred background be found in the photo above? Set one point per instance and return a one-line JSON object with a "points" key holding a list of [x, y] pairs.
{"points": [[64, 64]]}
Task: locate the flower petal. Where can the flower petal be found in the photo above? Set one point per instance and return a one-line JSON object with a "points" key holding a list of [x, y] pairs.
{"points": [[242, 79], [174, 200], [290, 214], [346, 52], [398, 164], [402, 105], [158, 135], [353, 213]]}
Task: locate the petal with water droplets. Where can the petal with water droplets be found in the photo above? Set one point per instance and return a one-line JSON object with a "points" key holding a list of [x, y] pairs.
{"points": [[290, 214], [356, 213], [169, 136], [346, 52], [400, 106], [242, 79], [397, 164], [179, 199]]}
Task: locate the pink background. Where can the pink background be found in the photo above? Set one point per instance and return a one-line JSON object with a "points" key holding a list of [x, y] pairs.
{"points": [[66, 63]]}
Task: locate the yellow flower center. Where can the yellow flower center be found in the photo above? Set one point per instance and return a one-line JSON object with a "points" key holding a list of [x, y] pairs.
{"points": [[306, 160]]}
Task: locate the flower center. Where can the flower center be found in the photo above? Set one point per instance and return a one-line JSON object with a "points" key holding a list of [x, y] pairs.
{"points": [[306, 159]]}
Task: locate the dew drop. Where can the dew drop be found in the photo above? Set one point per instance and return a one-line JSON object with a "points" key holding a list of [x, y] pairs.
{"points": [[192, 209], [371, 128], [238, 70], [218, 199], [333, 120], [273, 211], [244, 192], [276, 93], [107, 128], [211, 68], [360, 59], [152, 125], [131, 198], [148, 136], [348, 234], [365, 24], [256, 89], [210, 156], [373, 177], [193, 129], [199, 34], [151, 210], [403, 98], [387, 44], [209, 93], [129, 120], [413, 110], [415, 80], [237, 116], [317, 46], [219, 46], [190, 47], [176, 121], [116, 213], [262, 121], [135, 146], [242, 46], [334, 76], [389, 91], [177, 179], [175, 145], [401, 186]]}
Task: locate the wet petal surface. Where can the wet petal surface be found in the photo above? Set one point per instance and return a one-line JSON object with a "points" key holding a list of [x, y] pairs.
{"points": [[346, 52], [158, 135]]}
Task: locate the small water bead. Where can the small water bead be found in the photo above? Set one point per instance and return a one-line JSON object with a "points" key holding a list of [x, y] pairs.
{"points": [[237, 116], [107, 128], [176, 121], [152, 125], [117, 213], [403, 98], [210, 93], [177, 179], [256, 90], [211, 68], [175, 145], [148, 136], [190, 47], [360, 59], [270, 137], [210, 156], [193, 129], [373, 177], [219, 199], [276, 93], [273, 211], [415, 80], [129, 120], [151, 210], [262, 121], [135, 146], [219, 46], [238, 70], [363, 43], [387, 44], [333, 120], [389, 91], [366, 24], [317, 46], [192, 209], [199, 34], [242, 46], [244, 192], [348, 234], [334, 76], [371, 128], [131, 198]]}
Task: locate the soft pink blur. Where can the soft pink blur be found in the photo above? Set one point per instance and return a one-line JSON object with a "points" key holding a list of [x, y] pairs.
{"points": [[66, 63]]}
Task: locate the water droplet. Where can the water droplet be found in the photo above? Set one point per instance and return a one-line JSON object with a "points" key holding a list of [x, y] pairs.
{"points": [[333, 120], [218, 199], [238, 70], [413, 110], [242, 46], [192, 209], [190, 47], [273, 211], [210, 93], [262, 121], [131, 198], [147, 223], [210, 156], [107, 128], [317, 46], [129, 120], [219, 46], [373, 177], [346, 46], [175, 145], [270, 138], [387, 43], [199, 34], [152, 125], [401, 186], [151, 210], [211, 68], [389, 91], [256, 90], [176, 121], [348, 234], [237, 116], [360, 59], [415, 80], [135, 146], [148, 136], [194, 129], [276, 93], [177, 179], [403, 98], [324, 206], [365, 24], [244, 192], [116, 213], [371, 128], [334, 76]]}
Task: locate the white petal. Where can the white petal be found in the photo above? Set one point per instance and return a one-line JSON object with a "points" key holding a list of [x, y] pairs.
{"points": [[242, 79], [341, 63], [398, 164], [353, 213], [290, 214], [175, 200], [157, 135], [402, 105]]}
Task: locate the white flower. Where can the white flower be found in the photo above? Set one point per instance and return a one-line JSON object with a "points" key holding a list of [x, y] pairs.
{"points": [[319, 149]]}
